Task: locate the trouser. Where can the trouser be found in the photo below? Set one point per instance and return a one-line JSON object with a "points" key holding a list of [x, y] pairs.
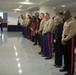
{"points": [[41, 43], [33, 38], [36, 38], [53, 44], [39, 39], [1, 27], [47, 45], [58, 53], [24, 31], [28, 32], [69, 58]]}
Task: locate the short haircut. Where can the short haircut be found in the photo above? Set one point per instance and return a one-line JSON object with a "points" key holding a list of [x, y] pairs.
{"points": [[42, 13], [61, 13], [47, 14]]}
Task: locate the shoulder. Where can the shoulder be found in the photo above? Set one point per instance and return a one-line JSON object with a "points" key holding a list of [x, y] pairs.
{"points": [[72, 22], [50, 21]]}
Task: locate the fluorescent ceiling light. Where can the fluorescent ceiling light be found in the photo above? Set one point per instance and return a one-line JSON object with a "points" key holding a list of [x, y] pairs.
{"points": [[18, 9], [63, 6], [29, 8], [26, 3]]}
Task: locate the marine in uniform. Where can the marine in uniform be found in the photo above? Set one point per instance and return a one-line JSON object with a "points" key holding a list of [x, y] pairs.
{"points": [[24, 24], [41, 26], [47, 36], [69, 31]]}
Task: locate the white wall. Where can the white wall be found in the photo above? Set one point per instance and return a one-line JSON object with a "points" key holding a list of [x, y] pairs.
{"points": [[28, 13], [47, 9], [13, 18], [42, 9], [31, 13], [73, 13]]}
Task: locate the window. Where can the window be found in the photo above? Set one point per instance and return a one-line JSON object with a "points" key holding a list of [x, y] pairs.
{"points": [[1, 14]]}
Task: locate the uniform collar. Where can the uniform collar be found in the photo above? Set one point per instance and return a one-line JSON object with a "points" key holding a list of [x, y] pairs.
{"points": [[48, 19], [70, 19]]}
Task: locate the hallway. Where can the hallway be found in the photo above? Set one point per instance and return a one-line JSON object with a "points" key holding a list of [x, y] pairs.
{"points": [[18, 56]]}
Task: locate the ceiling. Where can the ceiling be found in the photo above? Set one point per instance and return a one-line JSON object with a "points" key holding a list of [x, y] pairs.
{"points": [[11, 5]]}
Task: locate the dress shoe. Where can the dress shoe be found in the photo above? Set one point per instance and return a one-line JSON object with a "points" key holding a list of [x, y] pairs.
{"points": [[66, 74], [54, 65], [47, 58], [58, 66], [39, 53], [43, 55], [34, 44], [63, 70]]}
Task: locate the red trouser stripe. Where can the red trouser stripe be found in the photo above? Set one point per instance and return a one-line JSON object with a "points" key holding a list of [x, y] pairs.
{"points": [[72, 56], [49, 44]]}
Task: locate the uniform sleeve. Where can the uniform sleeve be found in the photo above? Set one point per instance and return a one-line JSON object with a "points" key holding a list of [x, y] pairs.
{"points": [[49, 27], [41, 26], [71, 32]]}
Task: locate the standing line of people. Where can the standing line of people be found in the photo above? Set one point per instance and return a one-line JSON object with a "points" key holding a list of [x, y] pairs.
{"points": [[40, 31]]}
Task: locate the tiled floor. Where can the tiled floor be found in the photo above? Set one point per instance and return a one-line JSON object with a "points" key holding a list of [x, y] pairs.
{"points": [[18, 56]]}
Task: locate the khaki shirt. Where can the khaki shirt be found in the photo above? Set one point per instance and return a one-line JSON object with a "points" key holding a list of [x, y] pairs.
{"points": [[69, 29], [24, 23], [27, 21], [48, 26], [42, 25]]}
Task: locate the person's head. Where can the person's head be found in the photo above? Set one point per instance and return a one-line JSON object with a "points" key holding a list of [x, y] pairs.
{"points": [[33, 19], [21, 16], [75, 17], [67, 14], [41, 16], [18, 16], [61, 14], [47, 16], [24, 17], [28, 16]]}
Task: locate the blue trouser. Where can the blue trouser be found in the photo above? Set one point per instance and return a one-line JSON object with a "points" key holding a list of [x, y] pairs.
{"points": [[41, 42], [47, 45]]}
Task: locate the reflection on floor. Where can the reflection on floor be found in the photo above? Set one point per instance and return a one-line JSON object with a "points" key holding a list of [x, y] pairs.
{"points": [[18, 56]]}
